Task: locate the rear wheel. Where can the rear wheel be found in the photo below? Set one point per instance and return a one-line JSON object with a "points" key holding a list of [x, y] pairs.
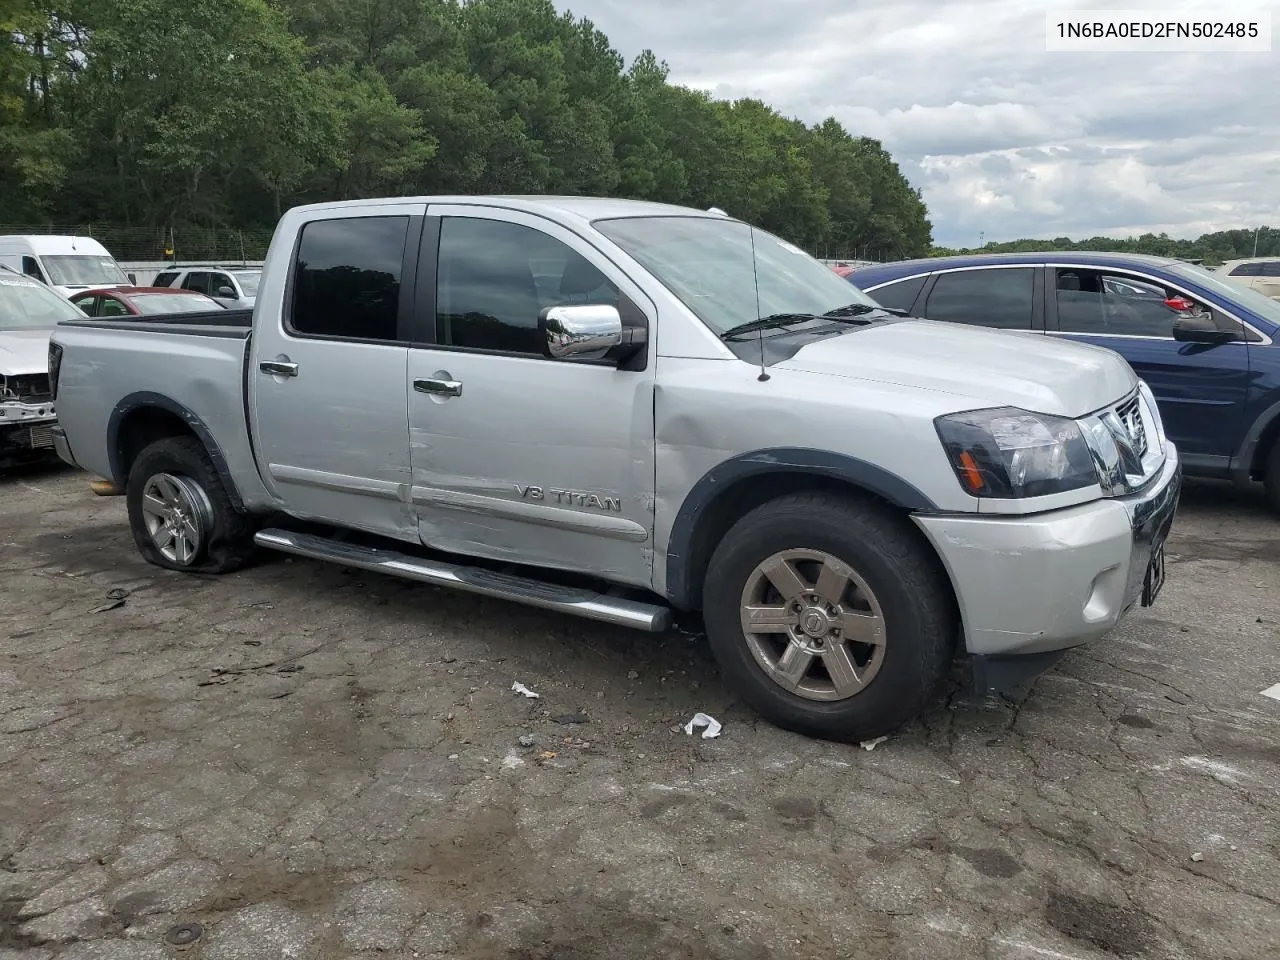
{"points": [[179, 511], [829, 616]]}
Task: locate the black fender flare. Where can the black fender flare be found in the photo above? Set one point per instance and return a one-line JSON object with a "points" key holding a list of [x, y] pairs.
{"points": [[145, 398], [1242, 462], [800, 461]]}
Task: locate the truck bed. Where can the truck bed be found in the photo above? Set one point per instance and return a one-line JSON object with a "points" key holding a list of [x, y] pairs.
{"points": [[191, 365]]}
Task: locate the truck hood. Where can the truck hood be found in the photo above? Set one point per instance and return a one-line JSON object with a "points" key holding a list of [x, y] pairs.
{"points": [[24, 351], [996, 368]]}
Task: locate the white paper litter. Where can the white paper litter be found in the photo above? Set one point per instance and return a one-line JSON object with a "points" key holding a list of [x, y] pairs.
{"points": [[872, 744], [1272, 691], [521, 689], [704, 720]]}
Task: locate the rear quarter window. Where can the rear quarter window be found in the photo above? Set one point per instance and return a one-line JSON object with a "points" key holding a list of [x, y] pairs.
{"points": [[165, 279]]}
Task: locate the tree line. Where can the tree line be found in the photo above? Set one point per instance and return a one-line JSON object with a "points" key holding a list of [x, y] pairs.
{"points": [[1212, 248], [224, 113]]}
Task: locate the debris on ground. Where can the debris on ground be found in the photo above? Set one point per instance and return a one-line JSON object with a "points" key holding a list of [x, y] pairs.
{"points": [[524, 691], [633, 675], [511, 761], [546, 755], [870, 745], [116, 597], [570, 718], [526, 740], [712, 725], [1198, 857]]}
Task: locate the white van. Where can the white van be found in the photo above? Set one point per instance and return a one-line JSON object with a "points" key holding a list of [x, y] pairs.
{"points": [[66, 264]]}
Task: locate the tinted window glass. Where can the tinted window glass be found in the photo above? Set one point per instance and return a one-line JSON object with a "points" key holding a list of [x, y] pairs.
{"points": [[986, 298], [1270, 269], [1246, 270], [164, 279], [899, 295], [1091, 302], [196, 280], [31, 268], [495, 278], [347, 279], [111, 307], [87, 304]]}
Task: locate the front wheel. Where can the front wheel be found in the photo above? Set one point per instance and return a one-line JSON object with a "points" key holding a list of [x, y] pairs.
{"points": [[179, 511], [830, 616]]}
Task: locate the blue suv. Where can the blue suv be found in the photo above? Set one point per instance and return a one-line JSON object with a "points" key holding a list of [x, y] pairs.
{"points": [[1206, 347]]}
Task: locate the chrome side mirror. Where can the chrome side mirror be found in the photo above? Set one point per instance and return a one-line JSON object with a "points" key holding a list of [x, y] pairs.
{"points": [[574, 330]]}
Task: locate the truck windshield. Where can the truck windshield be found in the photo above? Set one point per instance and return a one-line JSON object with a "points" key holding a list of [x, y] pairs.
{"points": [[715, 266], [83, 271], [27, 305]]}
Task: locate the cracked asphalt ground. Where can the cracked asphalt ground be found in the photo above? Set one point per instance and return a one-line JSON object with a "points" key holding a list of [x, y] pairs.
{"points": [[313, 763]]}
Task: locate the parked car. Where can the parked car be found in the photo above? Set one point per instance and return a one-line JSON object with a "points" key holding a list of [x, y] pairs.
{"points": [[1206, 347], [28, 312], [1257, 273], [694, 416], [66, 264], [142, 301], [235, 287]]}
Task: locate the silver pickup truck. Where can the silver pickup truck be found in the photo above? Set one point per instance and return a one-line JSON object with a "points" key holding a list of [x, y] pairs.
{"points": [[625, 410]]}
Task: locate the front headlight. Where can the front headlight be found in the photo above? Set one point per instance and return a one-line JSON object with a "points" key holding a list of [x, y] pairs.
{"points": [[1007, 453]]}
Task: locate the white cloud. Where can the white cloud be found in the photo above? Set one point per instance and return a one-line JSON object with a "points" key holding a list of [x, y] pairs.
{"points": [[1002, 136]]}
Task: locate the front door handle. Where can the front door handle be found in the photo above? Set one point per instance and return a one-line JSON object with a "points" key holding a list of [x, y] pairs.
{"points": [[439, 388], [279, 368]]}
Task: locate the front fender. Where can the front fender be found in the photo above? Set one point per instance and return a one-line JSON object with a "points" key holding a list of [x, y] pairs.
{"points": [[683, 568]]}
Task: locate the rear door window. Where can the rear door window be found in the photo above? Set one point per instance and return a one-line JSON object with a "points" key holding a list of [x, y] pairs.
{"points": [[1003, 298], [197, 280], [111, 307], [900, 294], [346, 280], [1247, 270], [164, 279]]}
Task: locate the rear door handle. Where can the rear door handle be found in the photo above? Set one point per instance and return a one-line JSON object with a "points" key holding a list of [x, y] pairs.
{"points": [[440, 388], [279, 368]]}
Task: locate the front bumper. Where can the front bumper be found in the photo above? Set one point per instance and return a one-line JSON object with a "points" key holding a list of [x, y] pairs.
{"points": [[1040, 584], [26, 428]]}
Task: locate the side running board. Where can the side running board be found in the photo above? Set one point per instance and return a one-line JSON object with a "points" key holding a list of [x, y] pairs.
{"points": [[590, 604]]}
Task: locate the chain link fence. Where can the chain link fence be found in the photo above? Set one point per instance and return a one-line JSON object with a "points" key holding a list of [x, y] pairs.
{"points": [[160, 243]]}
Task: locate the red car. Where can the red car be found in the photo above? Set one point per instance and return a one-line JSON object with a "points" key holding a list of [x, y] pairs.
{"points": [[142, 301]]}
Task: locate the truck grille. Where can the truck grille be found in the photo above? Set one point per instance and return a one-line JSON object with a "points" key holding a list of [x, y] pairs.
{"points": [[41, 438], [29, 387], [1131, 417]]}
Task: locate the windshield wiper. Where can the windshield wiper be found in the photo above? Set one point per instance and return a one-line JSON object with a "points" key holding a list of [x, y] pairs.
{"points": [[770, 322], [850, 313], [861, 309]]}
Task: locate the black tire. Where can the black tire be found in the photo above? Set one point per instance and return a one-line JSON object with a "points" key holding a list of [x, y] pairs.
{"points": [[1271, 480], [914, 597], [226, 541]]}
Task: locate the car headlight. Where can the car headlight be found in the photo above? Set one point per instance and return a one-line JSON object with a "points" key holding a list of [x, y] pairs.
{"points": [[1007, 453], [1153, 411]]}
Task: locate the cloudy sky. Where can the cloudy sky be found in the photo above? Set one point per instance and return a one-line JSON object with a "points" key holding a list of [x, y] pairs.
{"points": [[1004, 138]]}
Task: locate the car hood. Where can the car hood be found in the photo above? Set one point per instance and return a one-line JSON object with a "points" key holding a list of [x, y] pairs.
{"points": [[995, 368], [24, 351]]}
